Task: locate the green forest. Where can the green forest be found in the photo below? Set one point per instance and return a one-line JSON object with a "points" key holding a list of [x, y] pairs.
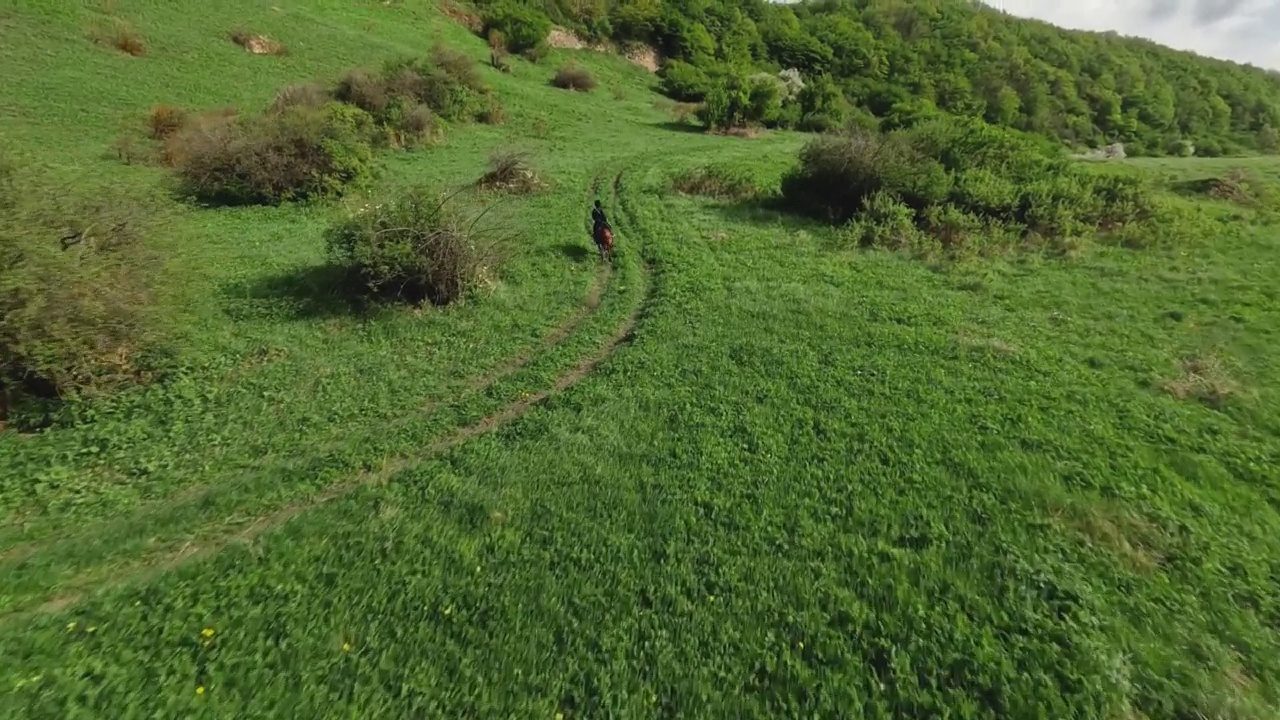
{"points": [[892, 63]]}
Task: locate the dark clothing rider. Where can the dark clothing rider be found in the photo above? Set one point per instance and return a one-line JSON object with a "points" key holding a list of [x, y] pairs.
{"points": [[597, 216]]}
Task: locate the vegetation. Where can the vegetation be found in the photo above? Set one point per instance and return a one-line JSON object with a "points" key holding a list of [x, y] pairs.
{"points": [[415, 247], [744, 471], [573, 77], [901, 61], [958, 181], [75, 290]]}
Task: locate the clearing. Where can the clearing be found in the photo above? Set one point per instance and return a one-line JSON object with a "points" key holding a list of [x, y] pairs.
{"points": [[739, 474]]}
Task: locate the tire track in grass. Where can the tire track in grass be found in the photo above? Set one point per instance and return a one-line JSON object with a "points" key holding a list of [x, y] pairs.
{"points": [[148, 566], [341, 438]]}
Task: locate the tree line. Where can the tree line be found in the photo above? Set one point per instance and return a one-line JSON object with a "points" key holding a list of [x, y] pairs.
{"points": [[894, 63]]}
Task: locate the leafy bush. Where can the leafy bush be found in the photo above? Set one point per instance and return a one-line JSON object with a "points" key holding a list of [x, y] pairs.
{"points": [[523, 29], [415, 247], [957, 179], [293, 154], [574, 77], [75, 315], [684, 82]]}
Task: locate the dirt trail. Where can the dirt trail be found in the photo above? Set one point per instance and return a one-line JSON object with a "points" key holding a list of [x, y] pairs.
{"points": [[147, 567]]}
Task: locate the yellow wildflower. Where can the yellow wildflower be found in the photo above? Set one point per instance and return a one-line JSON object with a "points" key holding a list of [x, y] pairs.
{"points": [[200, 690], [346, 647], [207, 632], [71, 626]]}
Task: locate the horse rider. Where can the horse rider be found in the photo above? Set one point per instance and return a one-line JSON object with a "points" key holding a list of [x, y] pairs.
{"points": [[599, 220]]}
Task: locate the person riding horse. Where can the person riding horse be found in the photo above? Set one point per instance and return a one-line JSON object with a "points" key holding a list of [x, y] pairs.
{"points": [[602, 232], [597, 215]]}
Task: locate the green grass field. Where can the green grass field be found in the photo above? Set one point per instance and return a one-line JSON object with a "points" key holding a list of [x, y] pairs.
{"points": [[741, 474]]}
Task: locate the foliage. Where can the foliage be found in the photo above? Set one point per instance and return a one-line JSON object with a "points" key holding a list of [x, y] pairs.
{"points": [[959, 178], [523, 29], [75, 291], [414, 247], [908, 62], [294, 154]]}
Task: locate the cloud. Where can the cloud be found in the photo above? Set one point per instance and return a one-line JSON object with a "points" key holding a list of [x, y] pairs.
{"points": [[1240, 30]]}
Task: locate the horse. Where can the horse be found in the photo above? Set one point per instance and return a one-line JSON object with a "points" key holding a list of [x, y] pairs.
{"points": [[604, 242]]}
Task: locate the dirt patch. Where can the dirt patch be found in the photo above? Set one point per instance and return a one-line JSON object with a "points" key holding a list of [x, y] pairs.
{"points": [[645, 56], [255, 43]]}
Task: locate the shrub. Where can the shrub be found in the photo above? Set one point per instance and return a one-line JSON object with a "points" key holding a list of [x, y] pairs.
{"points": [[75, 315], [684, 82], [717, 181], [523, 29], [959, 178], [308, 95], [415, 247], [165, 120], [573, 77], [510, 171], [364, 90], [293, 154], [122, 37]]}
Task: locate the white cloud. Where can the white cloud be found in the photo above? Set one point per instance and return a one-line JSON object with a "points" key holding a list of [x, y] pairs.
{"points": [[1240, 30]]}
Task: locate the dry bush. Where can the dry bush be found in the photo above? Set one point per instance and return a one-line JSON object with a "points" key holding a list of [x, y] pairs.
{"points": [[573, 77], [310, 95], [493, 113], [365, 90], [719, 182], [412, 127], [165, 120], [684, 113], [500, 60], [463, 16], [511, 171], [271, 158], [257, 44], [459, 66], [121, 36], [75, 291], [417, 247], [1205, 379]]}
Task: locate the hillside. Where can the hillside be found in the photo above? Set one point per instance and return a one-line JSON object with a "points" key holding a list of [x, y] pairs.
{"points": [[958, 428], [896, 61]]}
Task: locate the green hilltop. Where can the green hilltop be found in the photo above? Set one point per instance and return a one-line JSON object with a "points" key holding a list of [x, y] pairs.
{"points": [[316, 399]]}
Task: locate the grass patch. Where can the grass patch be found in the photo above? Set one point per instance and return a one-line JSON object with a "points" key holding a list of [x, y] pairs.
{"points": [[1205, 379], [717, 181]]}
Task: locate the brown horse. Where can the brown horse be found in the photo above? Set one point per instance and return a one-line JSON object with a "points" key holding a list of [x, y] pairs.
{"points": [[604, 242]]}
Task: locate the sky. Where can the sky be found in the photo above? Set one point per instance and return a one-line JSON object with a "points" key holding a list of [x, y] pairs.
{"points": [[1240, 30]]}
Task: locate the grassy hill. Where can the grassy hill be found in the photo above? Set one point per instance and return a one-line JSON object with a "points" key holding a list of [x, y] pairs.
{"points": [[747, 471]]}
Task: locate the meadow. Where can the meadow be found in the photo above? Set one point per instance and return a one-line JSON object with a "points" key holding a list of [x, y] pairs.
{"points": [[746, 471]]}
